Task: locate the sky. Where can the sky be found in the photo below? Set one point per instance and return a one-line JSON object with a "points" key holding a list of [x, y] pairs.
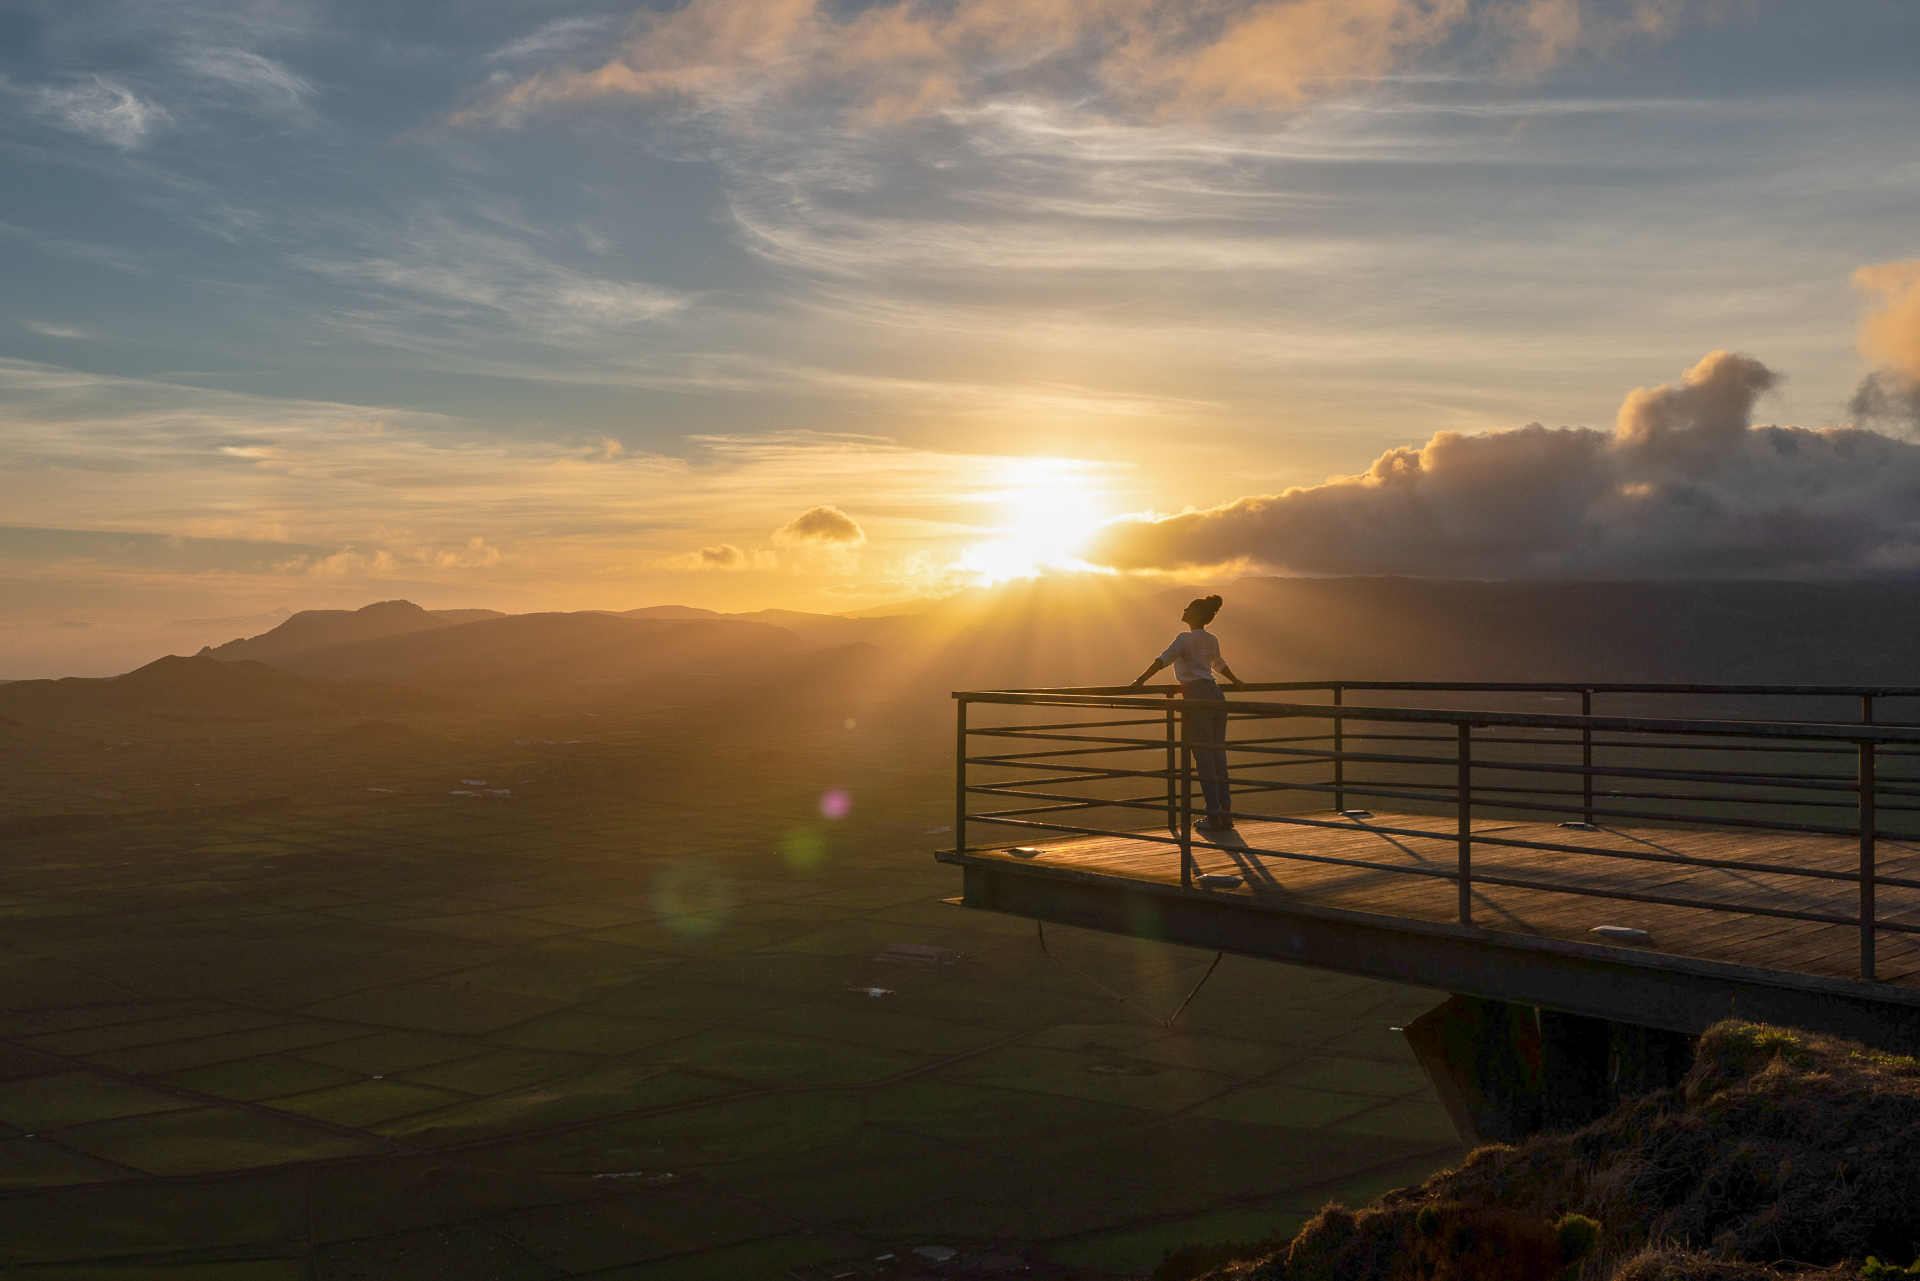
{"points": [[751, 303]]}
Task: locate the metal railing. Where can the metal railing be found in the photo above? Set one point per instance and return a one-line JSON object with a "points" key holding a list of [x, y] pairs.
{"points": [[1730, 772]]}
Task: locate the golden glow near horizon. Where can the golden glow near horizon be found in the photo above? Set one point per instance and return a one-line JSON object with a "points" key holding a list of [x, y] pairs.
{"points": [[1051, 509], [880, 302]]}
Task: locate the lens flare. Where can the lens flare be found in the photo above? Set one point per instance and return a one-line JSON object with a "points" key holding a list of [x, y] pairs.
{"points": [[694, 900], [803, 850], [836, 804]]}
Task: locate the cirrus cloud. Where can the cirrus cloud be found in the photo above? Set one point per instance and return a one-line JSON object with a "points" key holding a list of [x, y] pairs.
{"points": [[909, 58], [102, 109]]}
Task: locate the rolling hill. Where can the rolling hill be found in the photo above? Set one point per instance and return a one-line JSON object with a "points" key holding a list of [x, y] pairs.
{"points": [[544, 649], [318, 628], [199, 688]]}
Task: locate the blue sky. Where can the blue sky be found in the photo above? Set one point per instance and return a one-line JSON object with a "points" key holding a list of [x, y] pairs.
{"points": [[431, 295]]}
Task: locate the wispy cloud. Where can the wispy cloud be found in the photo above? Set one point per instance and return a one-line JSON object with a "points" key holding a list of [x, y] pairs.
{"points": [[561, 36], [461, 270], [99, 108], [905, 59], [262, 80], [117, 257]]}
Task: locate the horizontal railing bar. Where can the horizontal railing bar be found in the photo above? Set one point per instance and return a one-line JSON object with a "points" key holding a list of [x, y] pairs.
{"points": [[1812, 829], [1511, 687], [1048, 760], [1261, 747], [997, 758], [1640, 745], [1669, 900], [1782, 730], [1550, 847], [1005, 730], [1482, 791], [1157, 804], [1086, 778], [1820, 782]]}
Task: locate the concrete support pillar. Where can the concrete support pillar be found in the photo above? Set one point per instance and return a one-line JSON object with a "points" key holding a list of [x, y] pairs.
{"points": [[1575, 1060], [1505, 1070], [1484, 1059]]}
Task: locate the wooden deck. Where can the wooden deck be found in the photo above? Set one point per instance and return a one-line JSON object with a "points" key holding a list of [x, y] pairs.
{"points": [[1257, 852]]}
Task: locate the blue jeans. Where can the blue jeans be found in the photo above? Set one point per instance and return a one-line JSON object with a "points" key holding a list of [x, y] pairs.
{"points": [[1210, 763]]}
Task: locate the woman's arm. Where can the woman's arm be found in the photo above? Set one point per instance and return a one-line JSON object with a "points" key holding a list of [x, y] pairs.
{"points": [[1228, 673], [1152, 667]]}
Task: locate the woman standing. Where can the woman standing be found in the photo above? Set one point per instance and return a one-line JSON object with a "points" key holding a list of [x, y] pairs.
{"points": [[1195, 657]]}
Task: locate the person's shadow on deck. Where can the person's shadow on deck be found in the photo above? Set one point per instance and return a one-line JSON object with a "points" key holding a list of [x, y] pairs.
{"points": [[1245, 861]]}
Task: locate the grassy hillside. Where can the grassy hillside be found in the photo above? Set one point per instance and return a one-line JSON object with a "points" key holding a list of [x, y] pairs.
{"points": [[1782, 1154]]}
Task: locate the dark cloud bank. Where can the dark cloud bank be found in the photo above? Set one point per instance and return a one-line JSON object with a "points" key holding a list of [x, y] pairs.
{"points": [[1684, 486]]}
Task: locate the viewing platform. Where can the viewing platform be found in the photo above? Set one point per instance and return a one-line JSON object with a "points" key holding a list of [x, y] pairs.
{"points": [[1655, 873]]}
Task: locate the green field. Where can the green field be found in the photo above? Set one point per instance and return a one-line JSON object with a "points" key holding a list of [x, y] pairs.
{"points": [[615, 1024]]}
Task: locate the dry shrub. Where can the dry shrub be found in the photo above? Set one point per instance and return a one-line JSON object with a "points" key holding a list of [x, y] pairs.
{"points": [[1436, 1241], [1783, 1153], [1674, 1263]]}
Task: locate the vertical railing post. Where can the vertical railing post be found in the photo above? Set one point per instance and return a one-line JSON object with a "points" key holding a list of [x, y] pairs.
{"points": [[960, 778], [1586, 759], [1463, 799], [1867, 784], [1866, 709], [1186, 808], [1173, 785], [1339, 753]]}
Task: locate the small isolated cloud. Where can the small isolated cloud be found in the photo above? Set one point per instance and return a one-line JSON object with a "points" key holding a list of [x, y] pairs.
{"points": [[877, 589], [477, 553], [822, 526], [1684, 486], [102, 109], [721, 556], [1890, 338], [340, 564]]}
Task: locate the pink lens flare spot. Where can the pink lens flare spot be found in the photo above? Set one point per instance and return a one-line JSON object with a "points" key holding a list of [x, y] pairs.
{"points": [[835, 804]]}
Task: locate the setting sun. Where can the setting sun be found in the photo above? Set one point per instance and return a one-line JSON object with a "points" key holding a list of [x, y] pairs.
{"points": [[1051, 509]]}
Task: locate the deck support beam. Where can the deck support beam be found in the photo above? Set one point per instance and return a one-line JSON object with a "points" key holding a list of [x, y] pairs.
{"points": [[1622, 985], [1505, 1070]]}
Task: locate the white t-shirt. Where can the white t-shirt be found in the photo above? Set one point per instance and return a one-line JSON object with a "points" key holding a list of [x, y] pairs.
{"points": [[1194, 656]]}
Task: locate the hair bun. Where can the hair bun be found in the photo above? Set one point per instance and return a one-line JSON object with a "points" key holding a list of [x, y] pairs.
{"points": [[1215, 601]]}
